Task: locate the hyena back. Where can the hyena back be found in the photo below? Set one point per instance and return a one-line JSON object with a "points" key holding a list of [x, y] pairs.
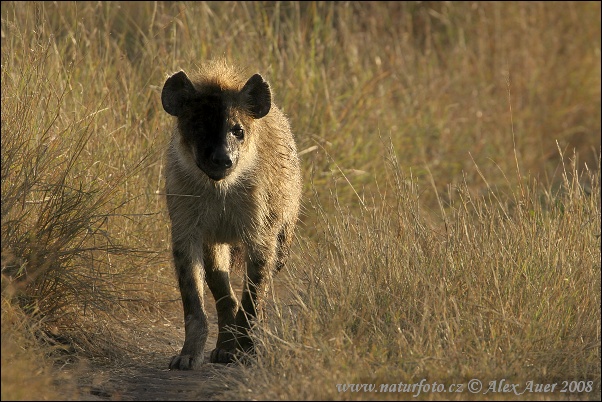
{"points": [[232, 180]]}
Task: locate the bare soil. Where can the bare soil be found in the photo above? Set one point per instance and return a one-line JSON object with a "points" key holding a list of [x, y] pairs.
{"points": [[153, 382], [144, 375]]}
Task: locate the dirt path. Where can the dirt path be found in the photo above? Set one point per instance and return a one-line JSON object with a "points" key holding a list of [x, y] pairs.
{"points": [[154, 382], [145, 376]]}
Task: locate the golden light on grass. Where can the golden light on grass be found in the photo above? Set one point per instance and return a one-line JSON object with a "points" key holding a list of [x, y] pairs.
{"points": [[451, 220]]}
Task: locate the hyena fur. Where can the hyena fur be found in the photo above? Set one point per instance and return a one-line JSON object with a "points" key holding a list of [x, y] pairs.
{"points": [[232, 182]]}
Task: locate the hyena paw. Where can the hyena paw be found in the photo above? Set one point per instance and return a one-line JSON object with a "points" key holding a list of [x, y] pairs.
{"points": [[221, 356], [244, 356], [185, 362]]}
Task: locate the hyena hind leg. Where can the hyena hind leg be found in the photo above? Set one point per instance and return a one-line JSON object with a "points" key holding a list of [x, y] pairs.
{"points": [[261, 264], [284, 241]]}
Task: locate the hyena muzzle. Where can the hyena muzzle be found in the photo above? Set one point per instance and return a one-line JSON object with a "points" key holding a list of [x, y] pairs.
{"points": [[233, 183]]}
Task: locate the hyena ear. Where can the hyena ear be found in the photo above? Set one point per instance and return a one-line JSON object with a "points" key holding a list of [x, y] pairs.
{"points": [[258, 96], [176, 91]]}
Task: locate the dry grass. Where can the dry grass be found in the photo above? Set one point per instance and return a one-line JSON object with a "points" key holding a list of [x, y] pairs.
{"points": [[22, 354], [501, 289], [452, 201]]}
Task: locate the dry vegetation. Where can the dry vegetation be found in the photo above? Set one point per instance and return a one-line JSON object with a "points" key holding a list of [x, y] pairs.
{"points": [[451, 157]]}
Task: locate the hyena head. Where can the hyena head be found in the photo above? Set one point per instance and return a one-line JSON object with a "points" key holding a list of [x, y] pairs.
{"points": [[215, 122]]}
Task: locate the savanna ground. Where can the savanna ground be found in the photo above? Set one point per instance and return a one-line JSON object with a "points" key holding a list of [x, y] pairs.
{"points": [[451, 214]]}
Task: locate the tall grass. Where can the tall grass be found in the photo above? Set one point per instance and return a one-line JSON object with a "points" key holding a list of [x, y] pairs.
{"points": [[504, 288], [69, 258], [451, 161]]}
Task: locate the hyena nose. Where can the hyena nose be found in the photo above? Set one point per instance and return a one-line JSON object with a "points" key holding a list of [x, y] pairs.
{"points": [[221, 159]]}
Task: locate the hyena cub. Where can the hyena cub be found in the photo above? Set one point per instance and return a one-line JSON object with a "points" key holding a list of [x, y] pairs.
{"points": [[232, 181]]}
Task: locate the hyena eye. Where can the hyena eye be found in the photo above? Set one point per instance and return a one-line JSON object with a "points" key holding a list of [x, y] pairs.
{"points": [[238, 132]]}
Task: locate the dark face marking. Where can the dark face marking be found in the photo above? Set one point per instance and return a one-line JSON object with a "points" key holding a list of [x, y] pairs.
{"points": [[212, 121], [214, 135]]}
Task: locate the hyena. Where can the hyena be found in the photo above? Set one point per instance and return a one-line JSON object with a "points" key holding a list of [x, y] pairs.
{"points": [[233, 183]]}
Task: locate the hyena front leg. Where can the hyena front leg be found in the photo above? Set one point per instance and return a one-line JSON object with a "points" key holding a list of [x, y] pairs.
{"points": [[217, 275], [188, 261]]}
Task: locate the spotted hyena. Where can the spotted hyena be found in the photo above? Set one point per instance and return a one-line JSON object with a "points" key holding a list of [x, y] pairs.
{"points": [[233, 183]]}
